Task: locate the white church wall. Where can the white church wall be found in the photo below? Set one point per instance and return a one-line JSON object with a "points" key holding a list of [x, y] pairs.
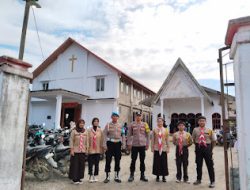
{"points": [[188, 106], [83, 78], [97, 69], [211, 109], [40, 111], [98, 108], [59, 74]]}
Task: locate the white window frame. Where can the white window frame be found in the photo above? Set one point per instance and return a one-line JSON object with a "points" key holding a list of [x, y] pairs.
{"points": [[122, 87], [100, 86], [127, 89], [45, 85]]}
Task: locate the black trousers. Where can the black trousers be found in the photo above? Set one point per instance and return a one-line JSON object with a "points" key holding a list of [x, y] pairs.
{"points": [[114, 149], [182, 161], [77, 167], [142, 154], [93, 161], [206, 154]]}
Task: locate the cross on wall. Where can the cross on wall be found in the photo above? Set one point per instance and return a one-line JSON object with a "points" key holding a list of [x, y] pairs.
{"points": [[72, 59]]}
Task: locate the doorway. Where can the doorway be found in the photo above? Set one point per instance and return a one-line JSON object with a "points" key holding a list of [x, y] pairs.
{"points": [[70, 112]]}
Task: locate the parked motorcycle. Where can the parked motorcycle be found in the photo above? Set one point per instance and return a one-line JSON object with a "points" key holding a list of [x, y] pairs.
{"points": [[230, 138], [61, 157], [37, 161]]}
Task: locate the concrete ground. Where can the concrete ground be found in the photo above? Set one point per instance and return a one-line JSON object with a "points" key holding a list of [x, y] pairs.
{"points": [[59, 182]]}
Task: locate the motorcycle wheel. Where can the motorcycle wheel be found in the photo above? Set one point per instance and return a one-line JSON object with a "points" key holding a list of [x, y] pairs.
{"points": [[43, 171], [65, 168]]}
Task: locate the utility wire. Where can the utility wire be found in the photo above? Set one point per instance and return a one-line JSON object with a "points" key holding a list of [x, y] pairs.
{"points": [[37, 33]]}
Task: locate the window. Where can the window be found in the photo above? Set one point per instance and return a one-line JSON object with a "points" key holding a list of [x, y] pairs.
{"points": [[127, 89], [216, 118], [138, 94], [134, 93], [122, 87], [45, 85], [99, 84]]}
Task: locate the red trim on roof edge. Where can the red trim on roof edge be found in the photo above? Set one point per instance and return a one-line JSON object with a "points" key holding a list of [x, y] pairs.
{"points": [[233, 26], [14, 61]]}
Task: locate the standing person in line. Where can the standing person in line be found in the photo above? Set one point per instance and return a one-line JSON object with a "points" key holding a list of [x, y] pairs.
{"points": [[138, 142], [204, 140], [160, 148], [182, 140], [78, 149], [95, 139], [112, 142]]}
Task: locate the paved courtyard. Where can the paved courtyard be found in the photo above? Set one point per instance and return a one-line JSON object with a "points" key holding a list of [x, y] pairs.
{"points": [[59, 182]]}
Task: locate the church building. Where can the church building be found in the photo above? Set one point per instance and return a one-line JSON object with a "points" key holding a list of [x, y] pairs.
{"points": [[74, 83], [181, 97]]}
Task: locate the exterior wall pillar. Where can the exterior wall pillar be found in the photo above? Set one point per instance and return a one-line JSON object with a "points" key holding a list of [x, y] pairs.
{"points": [[14, 101], [202, 106], [162, 107], [58, 111], [238, 36]]}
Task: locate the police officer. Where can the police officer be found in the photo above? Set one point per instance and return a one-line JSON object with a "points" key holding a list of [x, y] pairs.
{"points": [[112, 141], [182, 140], [204, 140], [138, 142]]}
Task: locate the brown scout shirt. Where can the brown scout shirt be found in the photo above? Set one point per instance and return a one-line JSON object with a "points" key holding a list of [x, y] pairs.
{"points": [[154, 140], [75, 141], [138, 134], [186, 138], [112, 132], [99, 140], [208, 133]]}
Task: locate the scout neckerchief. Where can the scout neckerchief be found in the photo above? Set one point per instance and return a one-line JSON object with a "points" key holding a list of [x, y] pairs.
{"points": [[81, 142], [180, 143], [160, 140], [94, 137], [202, 139]]}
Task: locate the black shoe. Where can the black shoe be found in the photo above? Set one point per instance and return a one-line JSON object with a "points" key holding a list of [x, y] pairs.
{"points": [[118, 180], [131, 178], [107, 178], [212, 185], [157, 179], [197, 182], [117, 177], [164, 179], [143, 178]]}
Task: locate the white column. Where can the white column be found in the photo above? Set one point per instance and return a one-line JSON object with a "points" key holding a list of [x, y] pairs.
{"points": [[58, 111], [240, 54], [202, 106], [162, 106]]}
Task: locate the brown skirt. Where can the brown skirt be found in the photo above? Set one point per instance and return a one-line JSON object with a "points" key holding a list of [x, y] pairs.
{"points": [[160, 164], [77, 167]]}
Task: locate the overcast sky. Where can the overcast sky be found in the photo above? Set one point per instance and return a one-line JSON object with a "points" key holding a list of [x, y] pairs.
{"points": [[142, 38]]}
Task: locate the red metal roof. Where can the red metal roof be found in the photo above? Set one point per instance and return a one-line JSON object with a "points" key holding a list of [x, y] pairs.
{"points": [[233, 26], [14, 61], [69, 42]]}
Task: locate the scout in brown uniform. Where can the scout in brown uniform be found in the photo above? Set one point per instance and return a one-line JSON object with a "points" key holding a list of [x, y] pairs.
{"points": [[204, 140], [112, 142], [182, 140], [78, 148], [138, 141], [95, 139], [160, 148]]}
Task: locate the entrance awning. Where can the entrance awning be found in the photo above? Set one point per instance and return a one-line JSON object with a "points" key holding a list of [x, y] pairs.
{"points": [[52, 93]]}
